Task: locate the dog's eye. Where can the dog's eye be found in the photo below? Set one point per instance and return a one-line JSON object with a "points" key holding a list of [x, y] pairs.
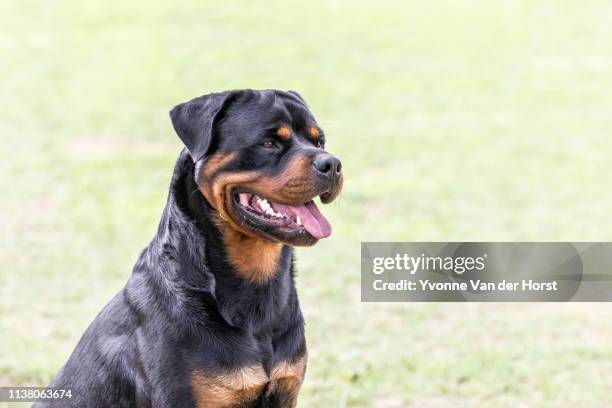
{"points": [[318, 143], [268, 144]]}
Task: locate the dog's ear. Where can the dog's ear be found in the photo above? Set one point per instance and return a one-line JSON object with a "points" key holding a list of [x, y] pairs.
{"points": [[194, 121]]}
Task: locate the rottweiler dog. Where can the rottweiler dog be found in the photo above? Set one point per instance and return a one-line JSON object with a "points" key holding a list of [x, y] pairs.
{"points": [[210, 316]]}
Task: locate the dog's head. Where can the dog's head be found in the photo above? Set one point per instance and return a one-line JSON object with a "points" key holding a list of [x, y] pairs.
{"points": [[260, 161]]}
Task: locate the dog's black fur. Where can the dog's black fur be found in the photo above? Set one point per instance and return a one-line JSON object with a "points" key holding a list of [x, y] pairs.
{"points": [[185, 308]]}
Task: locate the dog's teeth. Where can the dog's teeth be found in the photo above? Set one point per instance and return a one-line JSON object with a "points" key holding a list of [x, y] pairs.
{"points": [[264, 204], [298, 221]]}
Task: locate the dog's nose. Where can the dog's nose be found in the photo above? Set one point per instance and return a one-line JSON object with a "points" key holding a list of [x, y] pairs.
{"points": [[329, 166]]}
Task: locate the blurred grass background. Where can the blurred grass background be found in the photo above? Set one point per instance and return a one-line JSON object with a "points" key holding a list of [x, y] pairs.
{"points": [[455, 120]]}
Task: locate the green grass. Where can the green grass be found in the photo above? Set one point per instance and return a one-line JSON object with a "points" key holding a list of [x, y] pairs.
{"points": [[456, 120]]}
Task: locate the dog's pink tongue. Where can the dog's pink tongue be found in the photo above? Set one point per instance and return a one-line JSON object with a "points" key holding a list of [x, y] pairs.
{"points": [[313, 221]]}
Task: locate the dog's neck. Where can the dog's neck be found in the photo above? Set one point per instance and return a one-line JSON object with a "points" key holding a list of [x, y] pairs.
{"points": [[255, 259], [203, 272]]}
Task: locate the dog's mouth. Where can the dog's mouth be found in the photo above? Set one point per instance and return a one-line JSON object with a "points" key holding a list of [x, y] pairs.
{"points": [[282, 219]]}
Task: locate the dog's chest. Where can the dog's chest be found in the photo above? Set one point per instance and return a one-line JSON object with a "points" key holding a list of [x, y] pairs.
{"points": [[259, 355], [242, 369], [250, 383]]}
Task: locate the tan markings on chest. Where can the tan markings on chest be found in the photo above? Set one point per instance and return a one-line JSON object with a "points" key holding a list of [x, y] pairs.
{"points": [[228, 389], [212, 390], [288, 378]]}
